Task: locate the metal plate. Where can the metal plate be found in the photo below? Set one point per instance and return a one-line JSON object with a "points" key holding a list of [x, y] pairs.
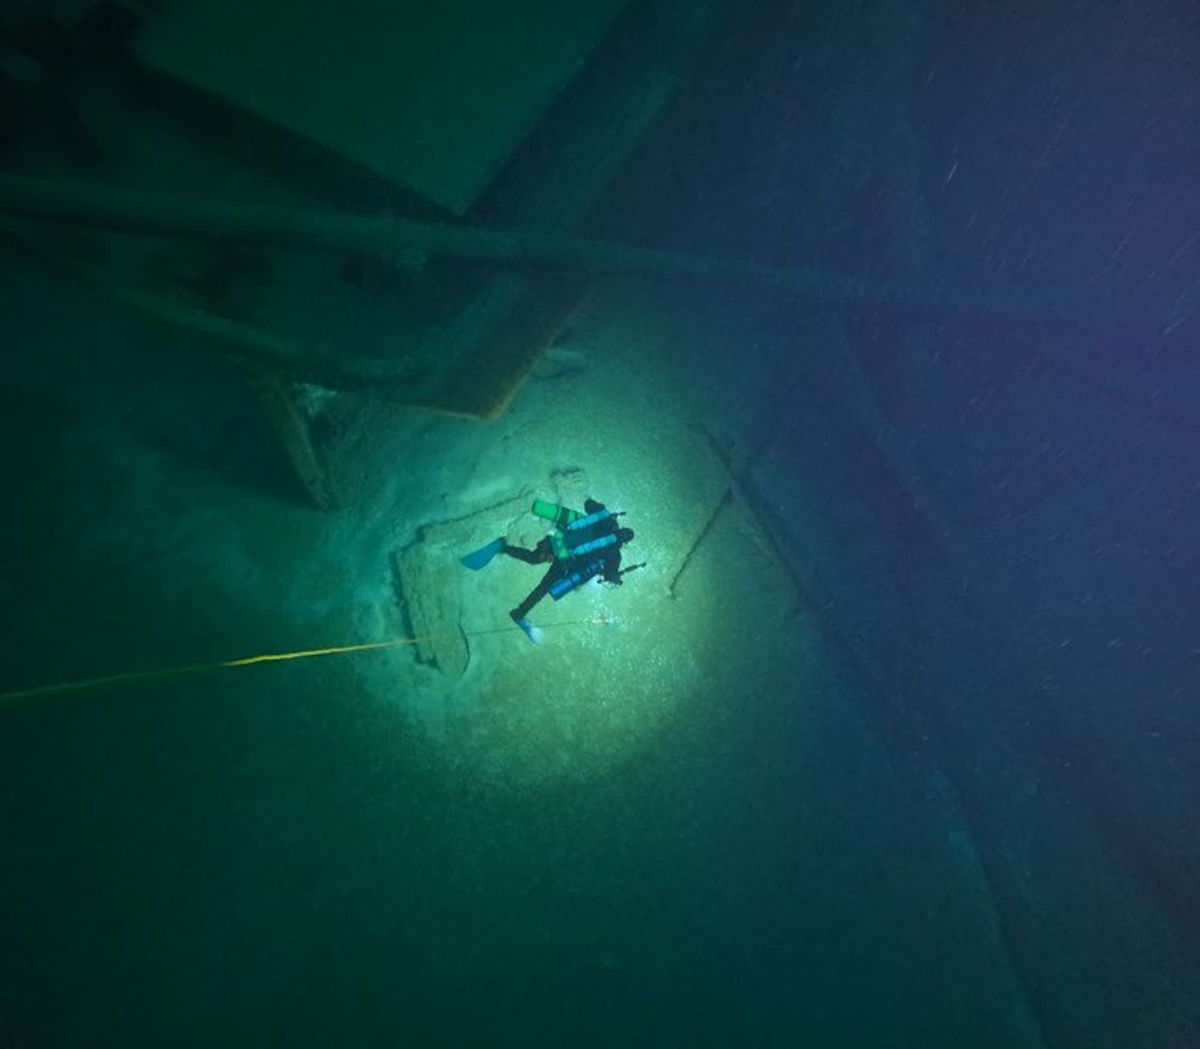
{"points": [[434, 96]]}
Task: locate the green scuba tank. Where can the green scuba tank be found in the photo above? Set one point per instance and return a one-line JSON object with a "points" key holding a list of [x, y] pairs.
{"points": [[562, 516], [559, 547]]}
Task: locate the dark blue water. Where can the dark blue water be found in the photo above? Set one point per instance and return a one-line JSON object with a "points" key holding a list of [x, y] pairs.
{"points": [[973, 824]]}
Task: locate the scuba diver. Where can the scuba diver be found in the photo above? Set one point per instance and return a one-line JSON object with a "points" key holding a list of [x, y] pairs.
{"points": [[582, 546]]}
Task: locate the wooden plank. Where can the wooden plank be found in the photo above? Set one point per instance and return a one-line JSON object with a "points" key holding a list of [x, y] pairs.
{"points": [[275, 396]]}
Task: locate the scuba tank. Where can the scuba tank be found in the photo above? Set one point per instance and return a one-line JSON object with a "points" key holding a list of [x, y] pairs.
{"points": [[591, 569], [595, 544], [562, 547], [593, 518], [570, 582], [571, 538], [561, 516]]}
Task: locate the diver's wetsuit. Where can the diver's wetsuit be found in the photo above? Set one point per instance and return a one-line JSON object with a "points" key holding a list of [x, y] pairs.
{"points": [[544, 552]]}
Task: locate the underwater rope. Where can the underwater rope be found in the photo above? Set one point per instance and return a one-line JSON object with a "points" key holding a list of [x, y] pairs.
{"points": [[18, 695]]}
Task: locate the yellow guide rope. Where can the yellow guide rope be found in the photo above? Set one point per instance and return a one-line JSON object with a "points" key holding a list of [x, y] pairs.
{"points": [[17, 696]]}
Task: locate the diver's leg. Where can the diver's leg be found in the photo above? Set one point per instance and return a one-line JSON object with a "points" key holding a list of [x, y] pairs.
{"points": [[539, 555], [538, 592]]}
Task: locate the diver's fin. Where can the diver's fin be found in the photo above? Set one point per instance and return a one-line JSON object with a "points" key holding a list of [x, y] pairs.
{"points": [[531, 632], [480, 558]]}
